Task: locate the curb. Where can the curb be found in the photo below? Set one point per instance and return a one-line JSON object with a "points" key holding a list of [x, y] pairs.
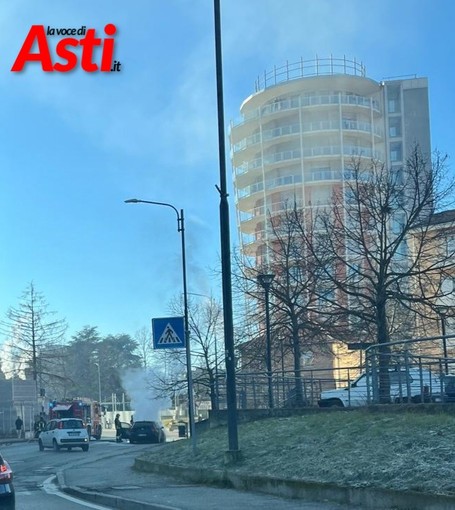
{"points": [[114, 501], [368, 498], [107, 500]]}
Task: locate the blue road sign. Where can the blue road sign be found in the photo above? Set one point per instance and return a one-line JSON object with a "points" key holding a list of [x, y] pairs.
{"points": [[168, 333]]}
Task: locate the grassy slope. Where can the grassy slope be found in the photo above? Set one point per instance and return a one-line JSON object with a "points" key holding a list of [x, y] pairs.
{"points": [[399, 451]]}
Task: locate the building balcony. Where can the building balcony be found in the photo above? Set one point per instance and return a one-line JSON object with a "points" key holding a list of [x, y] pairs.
{"points": [[271, 184], [284, 132], [276, 108], [253, 170]]}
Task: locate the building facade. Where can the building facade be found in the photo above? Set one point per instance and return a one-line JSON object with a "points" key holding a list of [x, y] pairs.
{"points": [[300, 130]]}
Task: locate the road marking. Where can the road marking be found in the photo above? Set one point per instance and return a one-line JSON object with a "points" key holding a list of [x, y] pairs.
{"points": [[50, 488]]}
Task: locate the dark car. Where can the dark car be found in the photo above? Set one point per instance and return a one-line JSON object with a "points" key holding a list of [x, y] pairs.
{"points": [[147, 432], [125, 430], [7, 496]]}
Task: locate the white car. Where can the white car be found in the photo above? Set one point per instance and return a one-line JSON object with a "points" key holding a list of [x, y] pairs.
{"points": [[64, 433], [413, 385]]}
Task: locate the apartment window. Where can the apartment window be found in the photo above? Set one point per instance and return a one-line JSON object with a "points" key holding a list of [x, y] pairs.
{"points": [[350, 196], [354, 273], [296, 273], [394, 106], [398, 223], [398, 175], [321, 174], [306, 358], [396, 151], [393, 99], [349, 121], [402, 251], [394, 127]]}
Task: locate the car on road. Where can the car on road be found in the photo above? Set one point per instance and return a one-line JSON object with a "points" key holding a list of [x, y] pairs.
{"points": [[125, 430], [64, 433], [7, 495], [147, 432]]}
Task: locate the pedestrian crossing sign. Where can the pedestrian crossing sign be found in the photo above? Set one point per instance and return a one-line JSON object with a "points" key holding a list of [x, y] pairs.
{"points": [[168, 333]]}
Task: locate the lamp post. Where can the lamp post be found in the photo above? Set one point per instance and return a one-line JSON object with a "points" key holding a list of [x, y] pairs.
{"points": [[265, 280], [99, 384], [442, 316], [233, 455], [181, 229]]}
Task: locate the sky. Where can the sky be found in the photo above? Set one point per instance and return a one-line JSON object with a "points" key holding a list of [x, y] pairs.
{"points": [[75, 145]]}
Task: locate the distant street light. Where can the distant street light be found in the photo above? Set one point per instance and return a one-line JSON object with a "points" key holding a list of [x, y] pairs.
{"points": [[181, 229], [265, 280], [99, 384]]}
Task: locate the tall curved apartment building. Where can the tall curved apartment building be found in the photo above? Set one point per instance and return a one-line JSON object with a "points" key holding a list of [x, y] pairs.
{"points": [[300, 129]]}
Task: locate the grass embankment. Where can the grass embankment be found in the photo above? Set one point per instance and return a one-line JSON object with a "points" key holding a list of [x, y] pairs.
{"points": [[405, 451]]}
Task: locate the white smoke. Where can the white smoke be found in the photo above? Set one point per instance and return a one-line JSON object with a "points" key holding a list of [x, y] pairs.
{"points": [[144, 403]]}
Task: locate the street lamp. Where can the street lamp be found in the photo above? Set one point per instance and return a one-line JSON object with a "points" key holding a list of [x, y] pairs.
{"points": [[181, 229], [442, 316], [233, 455], [99, 384], [265, 280]]}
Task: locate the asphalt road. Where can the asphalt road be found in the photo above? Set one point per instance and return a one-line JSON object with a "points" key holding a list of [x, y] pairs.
{"points": [[34, 476], [106, 468]]}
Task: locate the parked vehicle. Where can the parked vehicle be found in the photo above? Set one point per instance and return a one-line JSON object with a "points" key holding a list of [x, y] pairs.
{"points": [[126, 427], [448, 390], [147, 432], [413, 385], [7, 495], [87, 410], [65, 433]]}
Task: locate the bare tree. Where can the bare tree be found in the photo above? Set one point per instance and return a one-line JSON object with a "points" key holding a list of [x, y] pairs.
{"points": [[143, 339], [297, 321], [35, 337], [205, 326], [378, 234]]}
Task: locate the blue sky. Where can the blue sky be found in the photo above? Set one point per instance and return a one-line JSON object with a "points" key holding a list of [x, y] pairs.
{"points": [[74, 146]]}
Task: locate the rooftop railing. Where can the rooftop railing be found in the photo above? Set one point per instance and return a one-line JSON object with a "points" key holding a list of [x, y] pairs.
{"points": [[307, 68]]}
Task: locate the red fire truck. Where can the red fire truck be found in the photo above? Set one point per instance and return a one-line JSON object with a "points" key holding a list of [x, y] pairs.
{"points": [[87, 410]]}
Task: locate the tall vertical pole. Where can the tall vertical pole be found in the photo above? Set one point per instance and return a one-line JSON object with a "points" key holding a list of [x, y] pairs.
{"points": [[99, 383], [444, 341], [231, 397], [181, 229], [269, 347], [217, 386]]}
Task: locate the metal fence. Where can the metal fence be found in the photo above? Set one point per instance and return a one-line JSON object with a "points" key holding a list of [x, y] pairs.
{"points": [[252, 388], [418, 371], [424, 364]]}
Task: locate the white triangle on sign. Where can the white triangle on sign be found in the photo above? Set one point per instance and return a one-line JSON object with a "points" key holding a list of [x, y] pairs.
{"points": [[169, 336]]}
